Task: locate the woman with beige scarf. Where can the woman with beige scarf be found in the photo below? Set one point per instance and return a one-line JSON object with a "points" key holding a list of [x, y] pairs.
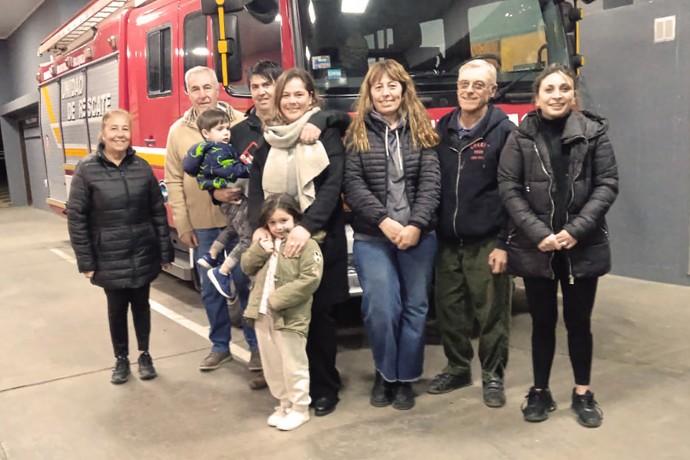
{"points": [[313, 175]]}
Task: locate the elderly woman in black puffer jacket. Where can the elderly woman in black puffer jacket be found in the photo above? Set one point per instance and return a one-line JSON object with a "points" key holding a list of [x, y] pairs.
{"points": [[558, 178], [119, 231]]}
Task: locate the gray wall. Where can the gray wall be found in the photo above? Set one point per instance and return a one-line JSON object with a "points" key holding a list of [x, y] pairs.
{"points": [[4, 73], [641, 87], [19, 95]]}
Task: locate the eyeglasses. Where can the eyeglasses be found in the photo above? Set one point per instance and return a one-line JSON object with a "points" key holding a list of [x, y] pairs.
{"points": [[477, 85]]}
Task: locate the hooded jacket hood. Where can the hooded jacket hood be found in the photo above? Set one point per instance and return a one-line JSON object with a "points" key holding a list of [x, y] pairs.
{"points": [[579, 124]]}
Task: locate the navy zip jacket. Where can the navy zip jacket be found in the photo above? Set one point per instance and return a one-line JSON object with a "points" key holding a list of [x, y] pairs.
{"points": [[471, 207]]}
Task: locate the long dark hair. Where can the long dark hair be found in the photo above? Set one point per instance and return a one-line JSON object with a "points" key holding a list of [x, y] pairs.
{"points": [[281, 201]]}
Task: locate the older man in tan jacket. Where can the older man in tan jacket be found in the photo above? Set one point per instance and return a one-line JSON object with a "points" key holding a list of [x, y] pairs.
{"points": [[197, 220]]}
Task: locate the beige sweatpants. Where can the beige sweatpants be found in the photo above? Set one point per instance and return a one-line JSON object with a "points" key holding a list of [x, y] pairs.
{"points": [[285, 364]]}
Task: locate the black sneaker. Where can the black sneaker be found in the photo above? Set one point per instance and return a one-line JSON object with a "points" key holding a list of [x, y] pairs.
{"points": [[494, 393], [588, 412], [121, 371], [444, 383], [537, 405], [382, 393], [404, 396], [146, 369]]}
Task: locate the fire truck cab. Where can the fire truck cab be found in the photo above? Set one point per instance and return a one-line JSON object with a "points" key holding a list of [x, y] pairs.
{"points": [[133, 54]]}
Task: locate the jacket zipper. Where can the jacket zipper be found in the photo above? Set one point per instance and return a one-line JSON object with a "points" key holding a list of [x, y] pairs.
{"points": [[131, 231], [571, 277], [553, 205], [461, 165]]}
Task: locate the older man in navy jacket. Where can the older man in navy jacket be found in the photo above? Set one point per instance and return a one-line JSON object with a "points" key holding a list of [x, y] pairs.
{"points": [[471, 280]]}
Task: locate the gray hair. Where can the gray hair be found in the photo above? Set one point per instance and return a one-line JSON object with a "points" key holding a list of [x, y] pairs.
{"points": [[200, 69], [480, 64]]}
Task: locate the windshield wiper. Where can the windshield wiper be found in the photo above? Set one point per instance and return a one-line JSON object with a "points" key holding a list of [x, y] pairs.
{"points": [[503, 91], [427, 74]]}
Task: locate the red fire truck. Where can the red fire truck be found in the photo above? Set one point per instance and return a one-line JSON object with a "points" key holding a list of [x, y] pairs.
{"points": [[133, 54]]}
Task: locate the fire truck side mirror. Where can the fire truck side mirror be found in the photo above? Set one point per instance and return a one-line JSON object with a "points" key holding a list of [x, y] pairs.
{"points": [[264, 11], [230, 44], [210, 7]]}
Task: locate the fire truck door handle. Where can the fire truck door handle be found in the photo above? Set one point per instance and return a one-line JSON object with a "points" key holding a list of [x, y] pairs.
{"points": [[150, 142]]}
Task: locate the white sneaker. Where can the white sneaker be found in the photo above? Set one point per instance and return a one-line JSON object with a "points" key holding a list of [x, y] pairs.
{"points": [[277, 416], [294, 419]]}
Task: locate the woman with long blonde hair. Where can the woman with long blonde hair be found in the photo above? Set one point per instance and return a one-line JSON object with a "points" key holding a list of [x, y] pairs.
{"points": [[392, 184]]}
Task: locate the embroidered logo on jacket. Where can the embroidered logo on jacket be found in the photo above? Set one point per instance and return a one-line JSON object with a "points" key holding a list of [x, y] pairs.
{"points": [[478, 150]]}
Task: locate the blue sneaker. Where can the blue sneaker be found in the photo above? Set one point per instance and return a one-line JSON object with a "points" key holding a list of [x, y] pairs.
{"points": [[207, 261], [221, 282]]}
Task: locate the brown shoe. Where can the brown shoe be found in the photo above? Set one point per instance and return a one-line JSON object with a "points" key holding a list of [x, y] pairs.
{"points": [[258, 382], [254, 363], [214, 360]]}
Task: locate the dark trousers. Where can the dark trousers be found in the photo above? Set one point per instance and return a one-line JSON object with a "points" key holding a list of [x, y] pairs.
{"points": [[466, 291], [578, 302], [118, 305], [322, 347]]}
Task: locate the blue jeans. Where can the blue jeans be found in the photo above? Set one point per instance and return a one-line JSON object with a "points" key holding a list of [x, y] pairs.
{"points": [[215, 304], [242, 284], [395, 300]]}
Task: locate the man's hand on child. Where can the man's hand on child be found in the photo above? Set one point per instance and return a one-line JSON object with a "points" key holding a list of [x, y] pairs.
{"points": [[232, 195]]}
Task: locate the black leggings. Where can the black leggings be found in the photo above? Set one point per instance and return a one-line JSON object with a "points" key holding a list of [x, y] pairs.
{"points": [[118, 303], [578, 302]]}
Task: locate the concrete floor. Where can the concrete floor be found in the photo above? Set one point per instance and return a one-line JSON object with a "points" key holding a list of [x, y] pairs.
{"points": [[56, 401]]}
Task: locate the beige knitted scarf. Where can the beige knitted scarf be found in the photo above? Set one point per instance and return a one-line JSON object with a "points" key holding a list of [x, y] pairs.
{"points": [[308, 160]]}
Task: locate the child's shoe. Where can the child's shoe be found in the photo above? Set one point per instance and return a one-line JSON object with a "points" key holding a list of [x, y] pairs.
{"points": [[222, 282], [293, 419], [278, 416], [207, 261]]}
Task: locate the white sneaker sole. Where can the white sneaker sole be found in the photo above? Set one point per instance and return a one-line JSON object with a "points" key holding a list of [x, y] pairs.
{"points": [[216, 283], [203, 263]]}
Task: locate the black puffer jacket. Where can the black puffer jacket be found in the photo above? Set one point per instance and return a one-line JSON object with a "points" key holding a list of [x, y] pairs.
{"points": [[366, 182], [117, 221], [527, 186]]}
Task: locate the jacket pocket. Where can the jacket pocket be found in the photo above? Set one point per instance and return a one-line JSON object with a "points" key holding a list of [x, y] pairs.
{"points": [[591, 260]]}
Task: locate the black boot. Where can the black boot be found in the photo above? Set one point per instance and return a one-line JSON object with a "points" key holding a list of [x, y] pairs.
{"points": [[404, 396], [382, 392], [121, 371], [146, 369]]}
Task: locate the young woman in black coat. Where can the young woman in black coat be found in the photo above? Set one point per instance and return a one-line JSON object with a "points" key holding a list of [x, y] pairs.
{"points": [[118, 228], [558, 179]]}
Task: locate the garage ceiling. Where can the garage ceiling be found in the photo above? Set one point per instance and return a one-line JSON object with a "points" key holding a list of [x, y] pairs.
{"points": [[14, 13]]}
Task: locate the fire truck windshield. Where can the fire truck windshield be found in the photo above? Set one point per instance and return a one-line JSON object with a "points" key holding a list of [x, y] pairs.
{"points": [[431, 38]]}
